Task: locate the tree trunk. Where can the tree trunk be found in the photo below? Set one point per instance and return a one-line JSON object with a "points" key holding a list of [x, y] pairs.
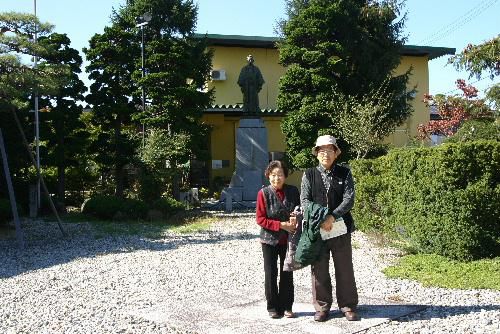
{"points": [[176, 188], [119, 172], [61, 169], [61, 187], [119, 176]]}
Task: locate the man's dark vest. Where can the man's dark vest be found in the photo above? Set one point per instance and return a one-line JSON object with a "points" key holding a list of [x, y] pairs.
{"points": [[277, 210], [334, 197]]}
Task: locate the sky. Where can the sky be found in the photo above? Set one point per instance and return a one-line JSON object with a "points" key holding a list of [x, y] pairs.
{"points": [[443, 23]]}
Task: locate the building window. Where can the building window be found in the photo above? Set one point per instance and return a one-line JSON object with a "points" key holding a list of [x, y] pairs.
{"points": [[218, 164], [275, 155]]}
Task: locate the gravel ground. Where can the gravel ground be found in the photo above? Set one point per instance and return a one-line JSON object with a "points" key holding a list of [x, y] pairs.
{"points": [[87, 284]]}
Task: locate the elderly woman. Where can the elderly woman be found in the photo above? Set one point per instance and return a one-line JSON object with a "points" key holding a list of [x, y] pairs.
{"points": [[275, 204]]}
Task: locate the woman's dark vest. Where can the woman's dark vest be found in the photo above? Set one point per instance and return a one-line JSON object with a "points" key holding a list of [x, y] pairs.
{"points": [[334, 197], [277, 210]]}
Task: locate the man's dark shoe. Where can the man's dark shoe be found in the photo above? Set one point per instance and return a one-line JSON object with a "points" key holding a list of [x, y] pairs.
{"points": [[351, 316], [275, 315], [321, 316]]}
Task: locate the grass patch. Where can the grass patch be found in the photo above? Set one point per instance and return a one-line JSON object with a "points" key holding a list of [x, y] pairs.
{"points": [[106, 228], [199, 224], [439, 271], [190, 222], [183, 222]]}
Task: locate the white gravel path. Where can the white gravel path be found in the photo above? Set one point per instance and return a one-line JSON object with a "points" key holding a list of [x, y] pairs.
{"points": [[85, 284]]}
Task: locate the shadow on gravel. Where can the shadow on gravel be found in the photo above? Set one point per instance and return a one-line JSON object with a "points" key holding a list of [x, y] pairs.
{"points": [[45, 247], [441, 312], [390, 311]]}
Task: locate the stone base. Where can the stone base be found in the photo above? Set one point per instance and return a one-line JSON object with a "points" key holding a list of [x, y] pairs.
{"points": [[236, 194], [251, 317]]}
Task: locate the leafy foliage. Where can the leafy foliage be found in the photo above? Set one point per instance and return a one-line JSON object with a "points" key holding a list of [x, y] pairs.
{"points": [[334, 51], [476, 130], [17, 78], [163, 150], [477, 59], [443, 200], [165, 156], [454, 111], [364, 122], [493, 96]]}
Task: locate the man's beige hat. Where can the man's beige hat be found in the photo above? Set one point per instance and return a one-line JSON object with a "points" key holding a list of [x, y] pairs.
{"points": [[325, 140]]}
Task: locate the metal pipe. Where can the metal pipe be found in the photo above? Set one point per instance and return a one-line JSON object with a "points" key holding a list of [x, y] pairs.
{"points": [[143, 92], [37, 120]]}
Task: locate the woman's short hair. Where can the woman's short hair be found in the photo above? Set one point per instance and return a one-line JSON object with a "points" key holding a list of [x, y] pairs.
{"points": [[276, 164]]}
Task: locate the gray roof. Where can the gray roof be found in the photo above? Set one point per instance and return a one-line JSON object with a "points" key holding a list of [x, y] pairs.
{"points": [[237, 110], [270, 43]]}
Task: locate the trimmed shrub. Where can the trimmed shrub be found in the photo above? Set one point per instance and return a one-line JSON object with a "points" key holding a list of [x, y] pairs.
{"points": [[108, 207], [443, 200], [476, 130], [168, 206], [150, 187], [134, 208]]}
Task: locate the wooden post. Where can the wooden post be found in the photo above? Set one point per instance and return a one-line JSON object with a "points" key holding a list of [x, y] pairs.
{"points": [[12, 197]]}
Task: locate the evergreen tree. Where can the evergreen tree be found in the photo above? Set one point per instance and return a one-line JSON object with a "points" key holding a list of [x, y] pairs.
{"points": [[337, 51], [177, 69], [19, 79], [17, 32], [112, 61], [62, 129]]}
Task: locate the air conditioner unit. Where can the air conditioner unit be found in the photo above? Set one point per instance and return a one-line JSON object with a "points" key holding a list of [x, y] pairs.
{"points": [[218, 75]]}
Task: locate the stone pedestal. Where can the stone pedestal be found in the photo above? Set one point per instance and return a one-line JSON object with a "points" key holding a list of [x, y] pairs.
{"points": [[251, 160]]}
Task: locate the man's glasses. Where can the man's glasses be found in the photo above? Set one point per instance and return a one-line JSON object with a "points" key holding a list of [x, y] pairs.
{"points": [[324, 152]]}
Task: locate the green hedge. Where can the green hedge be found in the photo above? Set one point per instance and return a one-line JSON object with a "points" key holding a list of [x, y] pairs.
{"points": [[167, 206], [443, 200], [111, 207], [108, 207]]}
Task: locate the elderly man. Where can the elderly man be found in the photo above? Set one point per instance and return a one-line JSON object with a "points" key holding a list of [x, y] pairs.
{"points": [[331, 185]]}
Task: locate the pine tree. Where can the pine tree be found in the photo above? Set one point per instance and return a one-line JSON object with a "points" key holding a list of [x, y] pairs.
{"points": [[337, 51], [19, 79], [113, 141], [61, 127]]}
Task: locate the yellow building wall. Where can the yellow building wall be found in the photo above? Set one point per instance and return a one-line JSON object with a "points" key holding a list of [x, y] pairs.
{"points": [[227, 92], [222, 142], [419, 79], [276, 143]]}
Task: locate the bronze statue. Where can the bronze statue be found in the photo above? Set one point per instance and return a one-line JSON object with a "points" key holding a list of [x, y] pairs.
{"points": [[250, 81]]}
